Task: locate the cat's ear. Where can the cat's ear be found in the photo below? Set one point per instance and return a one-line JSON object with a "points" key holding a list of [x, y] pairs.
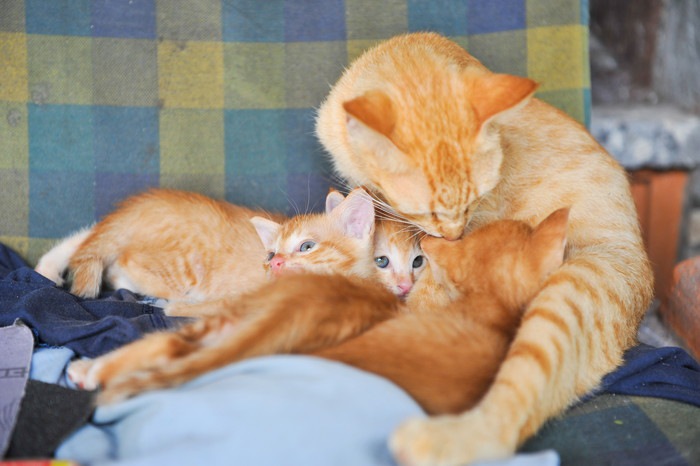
{"points": [[371, 119], [549, 240], [496, 93], [333, 200], [267, 231], [375, 110], [355, 215]]}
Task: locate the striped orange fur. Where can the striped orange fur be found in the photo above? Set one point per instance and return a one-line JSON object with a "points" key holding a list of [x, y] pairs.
{"points": [[188, 248], [445, 357], [452, 146]]}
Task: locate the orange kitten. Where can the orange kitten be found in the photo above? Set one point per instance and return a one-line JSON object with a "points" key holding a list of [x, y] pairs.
{"points": [[338, 241], [445, 358], [188, 248], [175, 245], [398, 255], [452, 146]]}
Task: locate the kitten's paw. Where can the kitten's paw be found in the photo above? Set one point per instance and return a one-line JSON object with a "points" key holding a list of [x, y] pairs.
{"points": [[446, 441], [85, 373]]}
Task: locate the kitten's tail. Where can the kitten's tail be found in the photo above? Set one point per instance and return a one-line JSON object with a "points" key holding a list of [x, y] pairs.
{"points": [[54, 263]]}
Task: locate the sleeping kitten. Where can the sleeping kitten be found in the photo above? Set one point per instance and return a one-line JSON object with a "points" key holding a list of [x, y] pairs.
{"points": [[445, 358], [452, 146]]}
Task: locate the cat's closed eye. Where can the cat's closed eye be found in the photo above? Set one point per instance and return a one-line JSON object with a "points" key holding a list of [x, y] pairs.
{"points": [[381, 261]]}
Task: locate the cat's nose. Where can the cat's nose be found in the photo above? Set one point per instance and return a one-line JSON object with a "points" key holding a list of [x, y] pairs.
{"points": [[451, 232], [404, 287], [277, 263]]}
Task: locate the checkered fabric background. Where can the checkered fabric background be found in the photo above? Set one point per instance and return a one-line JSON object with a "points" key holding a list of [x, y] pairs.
{"points": [[100, 99], [622, 430]]}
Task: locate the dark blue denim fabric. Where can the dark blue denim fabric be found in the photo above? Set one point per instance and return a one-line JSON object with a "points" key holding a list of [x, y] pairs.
{"points": [[89, 327]]}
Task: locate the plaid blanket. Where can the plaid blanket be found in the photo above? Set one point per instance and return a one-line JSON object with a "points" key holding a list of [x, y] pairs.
{"points": [[623, 430], [103, 98]]}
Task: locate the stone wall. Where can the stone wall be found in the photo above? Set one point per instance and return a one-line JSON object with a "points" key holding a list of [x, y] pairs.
{"points": [[645, 71]]}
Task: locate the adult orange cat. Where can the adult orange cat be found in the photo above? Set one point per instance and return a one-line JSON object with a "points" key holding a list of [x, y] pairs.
{"points": [[452, 146], [445, 357]]}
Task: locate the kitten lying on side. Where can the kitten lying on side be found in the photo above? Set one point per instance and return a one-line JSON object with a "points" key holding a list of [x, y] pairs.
{"points": [[323, 243], [185, 247], [445, 357], [175, 245]]}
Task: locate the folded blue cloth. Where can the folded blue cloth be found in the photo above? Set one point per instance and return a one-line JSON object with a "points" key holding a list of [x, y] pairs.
{"points": [[666, 372], [57, 318]]}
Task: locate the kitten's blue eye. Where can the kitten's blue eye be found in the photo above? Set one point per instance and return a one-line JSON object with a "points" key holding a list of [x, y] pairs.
{"points": [[417, 262], [306, 245], [270, 255], [381, 261]]}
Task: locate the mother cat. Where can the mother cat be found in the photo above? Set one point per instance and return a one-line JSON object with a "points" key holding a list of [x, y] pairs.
{"points": [[450, 145]]}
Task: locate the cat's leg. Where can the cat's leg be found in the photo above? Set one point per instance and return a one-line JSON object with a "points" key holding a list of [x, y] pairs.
{"points": [[572, 334], [294, 314], [153, 350]]}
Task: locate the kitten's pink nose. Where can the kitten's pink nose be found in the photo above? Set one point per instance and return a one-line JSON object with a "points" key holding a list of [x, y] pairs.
{"points": [[277, 264], [405, 287]]}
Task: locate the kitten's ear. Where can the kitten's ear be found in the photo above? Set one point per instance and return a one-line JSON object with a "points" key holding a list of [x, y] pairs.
{"points": [[496, 93], [267, 231], [375, 110], [549, 240], [355, 215], [333, 200]]}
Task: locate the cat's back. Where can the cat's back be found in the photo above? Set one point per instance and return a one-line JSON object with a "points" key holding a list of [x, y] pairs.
{"points": [[162, 213], [404, 59]]}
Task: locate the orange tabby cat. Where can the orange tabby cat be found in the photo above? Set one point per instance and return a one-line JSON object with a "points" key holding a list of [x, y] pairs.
{"points": [[336, 242], [397, 252], [176, 245], [398, 255], [444, 357], [452, 146], [185, 247]]}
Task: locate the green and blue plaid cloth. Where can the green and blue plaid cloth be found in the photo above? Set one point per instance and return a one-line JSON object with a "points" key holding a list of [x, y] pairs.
{"points": [[100, 99]]}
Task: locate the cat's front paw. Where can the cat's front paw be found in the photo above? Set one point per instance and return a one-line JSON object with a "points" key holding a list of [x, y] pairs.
{"points": [[446, 441], [84, 373]]}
